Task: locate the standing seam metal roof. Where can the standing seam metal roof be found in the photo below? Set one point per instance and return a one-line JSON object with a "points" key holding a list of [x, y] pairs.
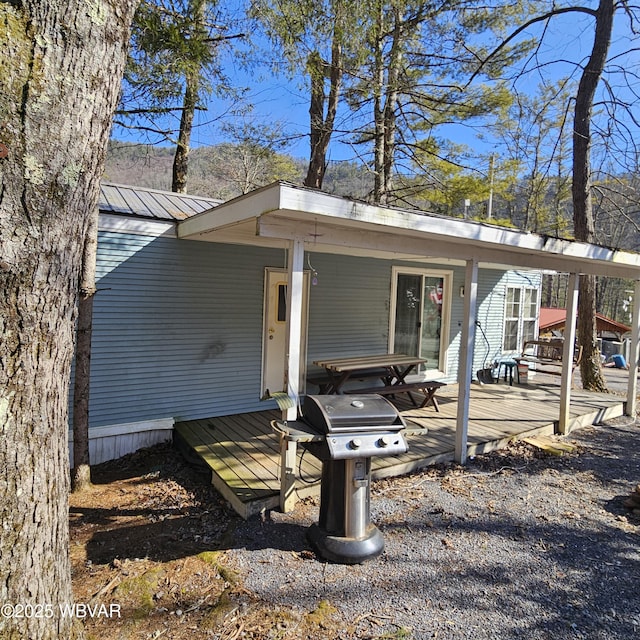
{"points": [[151, 203]]}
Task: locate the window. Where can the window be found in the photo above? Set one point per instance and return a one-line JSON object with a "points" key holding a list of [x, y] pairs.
{"points": [[520, 317], [282, 303], [420, 315]]}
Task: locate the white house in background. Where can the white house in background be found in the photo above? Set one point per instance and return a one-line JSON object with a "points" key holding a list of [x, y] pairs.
{"points": [[195, 316]]}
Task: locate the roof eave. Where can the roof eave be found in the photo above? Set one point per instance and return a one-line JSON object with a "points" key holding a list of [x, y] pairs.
{"points": [[284, 211]]}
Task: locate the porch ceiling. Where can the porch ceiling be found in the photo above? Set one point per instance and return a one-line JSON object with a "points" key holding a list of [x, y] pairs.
{"points": [[273, 215]]}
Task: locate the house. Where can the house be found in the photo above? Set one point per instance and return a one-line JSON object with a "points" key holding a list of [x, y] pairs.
{"points": [[204, 306]]}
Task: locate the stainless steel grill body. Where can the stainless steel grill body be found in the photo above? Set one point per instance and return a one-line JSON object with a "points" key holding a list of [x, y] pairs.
{"points": [[356, 428]]}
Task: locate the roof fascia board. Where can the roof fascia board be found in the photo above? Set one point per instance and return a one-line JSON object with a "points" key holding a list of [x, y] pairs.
{"points": [[434, 245], [234, 212], [118, 223], [352, 212], [292, 209]]}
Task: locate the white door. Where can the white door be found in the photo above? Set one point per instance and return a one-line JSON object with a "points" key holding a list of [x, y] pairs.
{"points": [[274, 339]]}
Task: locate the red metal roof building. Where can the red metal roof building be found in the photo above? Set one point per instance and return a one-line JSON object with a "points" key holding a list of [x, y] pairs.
{"points": [[553, 320]]}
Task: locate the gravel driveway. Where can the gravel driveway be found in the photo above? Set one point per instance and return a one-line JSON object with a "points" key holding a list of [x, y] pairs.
{"points": [[517, 544]]}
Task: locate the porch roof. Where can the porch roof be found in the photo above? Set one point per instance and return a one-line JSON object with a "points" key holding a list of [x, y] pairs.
{"points": [[280, 212]]}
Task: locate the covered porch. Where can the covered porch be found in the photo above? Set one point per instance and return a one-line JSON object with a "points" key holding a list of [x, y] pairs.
{"points": [[472, 419], [242, 453]]}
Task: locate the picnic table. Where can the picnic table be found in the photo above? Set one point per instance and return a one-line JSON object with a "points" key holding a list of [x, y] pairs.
{"points": [[391, 368]]}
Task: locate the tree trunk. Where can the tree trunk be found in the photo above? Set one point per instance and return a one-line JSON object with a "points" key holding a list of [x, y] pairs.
{"points": [[321, 126], [181, 158], [378, 112], [590, 369], [547, 290], [391, 103], [61, 67], [81, 472]]}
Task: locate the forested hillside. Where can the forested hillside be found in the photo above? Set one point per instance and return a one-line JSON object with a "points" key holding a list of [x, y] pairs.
{"points": [[225, 170]]}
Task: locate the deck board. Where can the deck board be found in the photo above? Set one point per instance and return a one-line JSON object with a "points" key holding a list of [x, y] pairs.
{"points": [[231, 460], [242, 451]]}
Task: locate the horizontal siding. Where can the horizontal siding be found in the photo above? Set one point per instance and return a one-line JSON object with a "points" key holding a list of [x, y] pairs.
{"points": [[491, 308], [490, 316], [178, 324], [349, 307], [177, 329]]}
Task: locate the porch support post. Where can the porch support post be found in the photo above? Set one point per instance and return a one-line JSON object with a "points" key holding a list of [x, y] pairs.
{"points": [[295, 267], [632, 387], [288, 458], [288, 448], [467, 342], [567, 353]]}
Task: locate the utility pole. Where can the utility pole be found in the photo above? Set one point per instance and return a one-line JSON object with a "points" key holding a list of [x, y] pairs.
{"points": [[490, 203]]}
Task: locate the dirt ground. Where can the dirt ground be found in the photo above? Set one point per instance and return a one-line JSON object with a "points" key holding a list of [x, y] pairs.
{"points": [[153, 538], [145, 538], [150, 537]]}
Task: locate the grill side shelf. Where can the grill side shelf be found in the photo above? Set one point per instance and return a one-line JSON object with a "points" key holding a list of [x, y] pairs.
{"points": [[296, 431]]}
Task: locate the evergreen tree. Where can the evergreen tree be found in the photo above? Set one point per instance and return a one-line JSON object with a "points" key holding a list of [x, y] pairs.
{"points": [[174, 66]]}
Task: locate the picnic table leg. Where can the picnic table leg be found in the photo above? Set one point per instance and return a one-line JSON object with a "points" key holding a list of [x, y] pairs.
{"points": [[337, 382], [400, 376], [413, 400], [430, 397], [288, 458]]}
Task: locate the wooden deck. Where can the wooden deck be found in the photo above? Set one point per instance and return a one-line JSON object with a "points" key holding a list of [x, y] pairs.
{"points": [[242, 452]]}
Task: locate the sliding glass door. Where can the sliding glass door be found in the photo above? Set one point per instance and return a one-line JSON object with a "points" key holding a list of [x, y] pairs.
{"points": [[420, 311]]}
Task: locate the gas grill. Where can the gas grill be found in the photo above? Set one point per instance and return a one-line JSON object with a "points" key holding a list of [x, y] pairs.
{"points": [[355, 426], [354, 429]]}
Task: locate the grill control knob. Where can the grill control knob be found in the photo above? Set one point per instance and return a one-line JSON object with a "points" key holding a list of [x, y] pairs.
{"points": [[384, 441], [355, 443]]}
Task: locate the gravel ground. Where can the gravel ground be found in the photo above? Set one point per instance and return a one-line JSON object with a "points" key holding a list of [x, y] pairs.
{"points": [[517, 544]]}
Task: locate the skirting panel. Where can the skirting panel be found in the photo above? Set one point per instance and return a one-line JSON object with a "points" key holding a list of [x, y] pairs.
{"points": [[115, 441]]}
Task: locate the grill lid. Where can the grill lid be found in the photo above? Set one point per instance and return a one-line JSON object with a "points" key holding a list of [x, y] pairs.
{"points": [[342, 413]]}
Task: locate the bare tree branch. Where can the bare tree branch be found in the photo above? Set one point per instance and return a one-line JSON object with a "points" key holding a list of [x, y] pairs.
{"points": [[524, 27]]}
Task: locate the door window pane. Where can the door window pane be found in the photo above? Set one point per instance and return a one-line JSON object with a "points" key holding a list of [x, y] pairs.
{"points": [[528, 331], [432, 321], [419, 307], [511, 335], [408, 314], [282, 303], [513, 303], [530, 303], [521, 310]]}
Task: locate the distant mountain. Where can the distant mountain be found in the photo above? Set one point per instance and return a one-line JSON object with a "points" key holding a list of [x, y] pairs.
{"points": [[226, 170]]}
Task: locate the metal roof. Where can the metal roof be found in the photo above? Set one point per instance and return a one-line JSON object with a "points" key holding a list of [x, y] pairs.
{"points": [[151, 203], [551, 318]]}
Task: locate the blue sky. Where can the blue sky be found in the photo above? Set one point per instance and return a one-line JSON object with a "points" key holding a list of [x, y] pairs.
{"points": [[283, 103]]}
